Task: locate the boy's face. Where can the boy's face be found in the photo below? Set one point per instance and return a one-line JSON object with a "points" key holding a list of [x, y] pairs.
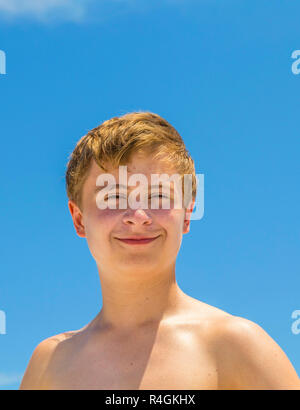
{"points": [[103, 228]]}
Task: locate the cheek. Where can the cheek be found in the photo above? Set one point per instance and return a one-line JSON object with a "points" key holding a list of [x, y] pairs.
{"points": [[103, 217], [172, 222], [98, 226], [172, 217]]}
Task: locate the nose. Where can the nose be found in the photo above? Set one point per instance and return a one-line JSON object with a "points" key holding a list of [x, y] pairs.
{"points": [[137, 217]]}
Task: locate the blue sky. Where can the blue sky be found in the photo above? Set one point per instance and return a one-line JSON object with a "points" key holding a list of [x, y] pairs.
{"points": [[220, 72]]}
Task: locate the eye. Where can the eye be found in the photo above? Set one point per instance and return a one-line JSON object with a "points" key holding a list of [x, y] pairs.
{"points": [[114, 196], [160, 195]]}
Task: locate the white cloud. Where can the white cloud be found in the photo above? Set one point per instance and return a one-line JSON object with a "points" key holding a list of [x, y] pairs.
{"points": [[75, 10], [9, 379], [44, 9]]}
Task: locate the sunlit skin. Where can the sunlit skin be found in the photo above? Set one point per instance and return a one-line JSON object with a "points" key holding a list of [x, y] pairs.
{"points": [[138, 282], [149, 334]]}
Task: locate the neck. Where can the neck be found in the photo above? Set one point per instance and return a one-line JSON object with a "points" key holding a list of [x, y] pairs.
{"points": [[134, 301]]}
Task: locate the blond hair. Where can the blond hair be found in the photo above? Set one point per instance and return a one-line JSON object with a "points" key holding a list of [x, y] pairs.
{"points": [[115, 140]]}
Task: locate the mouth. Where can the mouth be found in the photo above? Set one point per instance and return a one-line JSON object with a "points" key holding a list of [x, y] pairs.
{"points": [[141, 241]]}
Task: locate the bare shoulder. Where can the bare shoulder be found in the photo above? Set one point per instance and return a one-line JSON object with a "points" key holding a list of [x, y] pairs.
{"points": [[42, 355], [248, 358]]}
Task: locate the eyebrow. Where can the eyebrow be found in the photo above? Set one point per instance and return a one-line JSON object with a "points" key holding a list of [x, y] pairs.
{"points": [[98, 188]]}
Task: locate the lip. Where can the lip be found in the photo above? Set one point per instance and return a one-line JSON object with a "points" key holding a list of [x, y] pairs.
{"points": [[140, 241]]}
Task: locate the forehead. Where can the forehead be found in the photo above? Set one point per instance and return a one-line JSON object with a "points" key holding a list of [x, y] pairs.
{"points": [[139, 164]]}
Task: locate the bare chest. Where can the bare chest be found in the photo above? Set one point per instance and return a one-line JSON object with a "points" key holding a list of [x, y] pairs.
{"points": [[175, 360]]}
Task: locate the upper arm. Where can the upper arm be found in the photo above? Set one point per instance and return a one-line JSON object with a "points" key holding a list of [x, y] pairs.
{"points": [[248, 358], [37, 366]]}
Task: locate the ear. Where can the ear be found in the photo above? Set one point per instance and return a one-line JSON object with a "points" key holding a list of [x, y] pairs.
{"points": [[187, 216], [77, 219]]}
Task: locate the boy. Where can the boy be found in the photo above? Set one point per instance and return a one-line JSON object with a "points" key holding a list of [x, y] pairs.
{"points": [[149, 334]]}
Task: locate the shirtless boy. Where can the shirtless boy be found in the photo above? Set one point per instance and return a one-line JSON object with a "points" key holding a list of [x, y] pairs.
{"points": [[149, 334]]}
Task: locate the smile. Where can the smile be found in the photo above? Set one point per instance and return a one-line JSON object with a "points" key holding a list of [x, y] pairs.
{"points": [[137, 241]]}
